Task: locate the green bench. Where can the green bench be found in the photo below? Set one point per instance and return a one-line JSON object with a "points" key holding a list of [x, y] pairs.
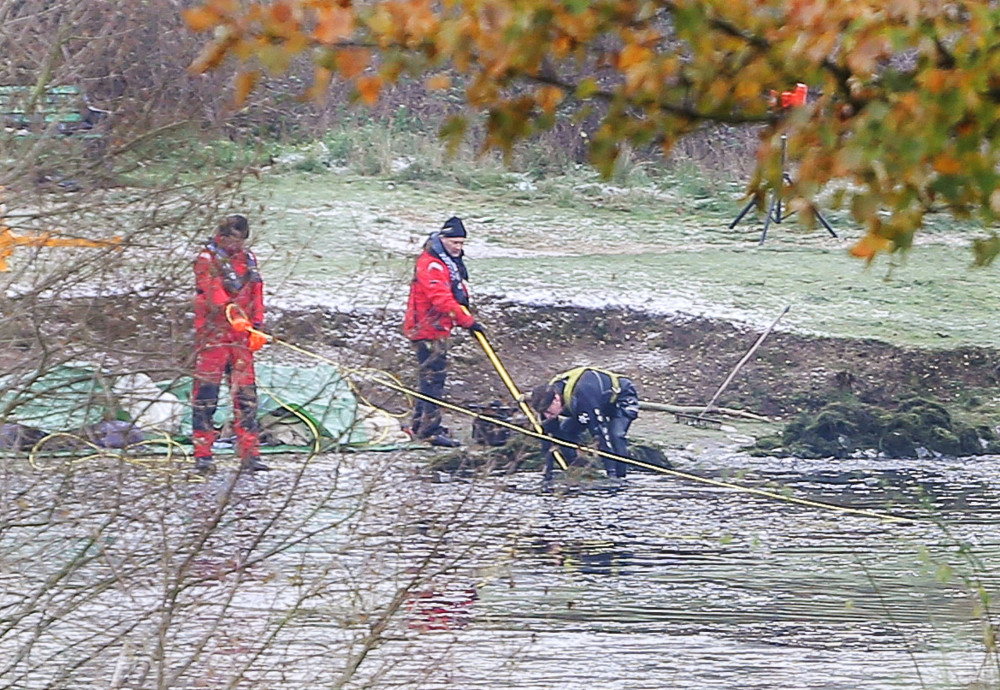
{"points": [[26, 110]]}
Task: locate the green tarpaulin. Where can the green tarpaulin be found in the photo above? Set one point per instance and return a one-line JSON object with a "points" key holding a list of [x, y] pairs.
{"points": [[297, 405]]}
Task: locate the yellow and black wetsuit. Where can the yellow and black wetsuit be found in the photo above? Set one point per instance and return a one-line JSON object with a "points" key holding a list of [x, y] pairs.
{"points": [[598, 401]]}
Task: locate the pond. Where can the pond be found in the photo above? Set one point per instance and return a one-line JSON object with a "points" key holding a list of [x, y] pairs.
{"points": [[666, 583], [364, 570]]}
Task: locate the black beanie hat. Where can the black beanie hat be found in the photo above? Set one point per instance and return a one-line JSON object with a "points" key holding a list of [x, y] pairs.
{"points": [[453, 228]]}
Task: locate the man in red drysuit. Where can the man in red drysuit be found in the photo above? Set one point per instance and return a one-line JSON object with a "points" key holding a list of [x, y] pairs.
{"points": [[228, 310], [439, 300]]}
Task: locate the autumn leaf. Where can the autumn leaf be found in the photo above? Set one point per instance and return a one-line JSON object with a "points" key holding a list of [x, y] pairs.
{"points": [[985, 250], [210, 58], [352, 61], [452, 132], [275, 57], [321, 82], [633, 55], [281, 12], [200, 18], [946, 164], [549, 97], [334, 23], [965, 128], [869, 246], [420, 18], [868, 52], [586, 88], [244, 85], [563, 45], [368, 89], [438, 82], [935, 80]]}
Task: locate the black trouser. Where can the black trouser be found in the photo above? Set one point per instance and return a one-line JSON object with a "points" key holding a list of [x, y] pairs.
{"points": [[617, 429], [626, 409], [432, 361]]}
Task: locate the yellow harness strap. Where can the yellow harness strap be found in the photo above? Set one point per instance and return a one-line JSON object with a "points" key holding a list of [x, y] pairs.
{"points": [[573, 375]]}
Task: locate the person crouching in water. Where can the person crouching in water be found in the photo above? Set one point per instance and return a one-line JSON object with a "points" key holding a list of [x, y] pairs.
{"points": [[438, 301], [227, 280], [587, 399]]}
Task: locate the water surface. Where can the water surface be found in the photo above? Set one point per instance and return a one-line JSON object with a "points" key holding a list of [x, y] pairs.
{"points": [[667, 583]]}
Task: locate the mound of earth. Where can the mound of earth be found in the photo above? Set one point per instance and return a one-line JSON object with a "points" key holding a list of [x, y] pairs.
{"points": [[684, 360]]}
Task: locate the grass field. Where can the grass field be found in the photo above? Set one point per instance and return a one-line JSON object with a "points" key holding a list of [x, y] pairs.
{"points": [[337, 238]]}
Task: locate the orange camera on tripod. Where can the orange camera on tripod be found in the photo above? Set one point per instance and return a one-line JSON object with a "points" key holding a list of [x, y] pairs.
{"points": [[787, 100], [791, 99]]}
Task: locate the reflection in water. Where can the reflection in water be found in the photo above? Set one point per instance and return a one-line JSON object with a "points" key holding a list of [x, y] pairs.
{"points": [[435, 609], [588, 556], [669, 584], [919, 487]]}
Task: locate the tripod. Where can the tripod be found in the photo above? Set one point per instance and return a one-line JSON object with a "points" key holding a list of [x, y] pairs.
{"points": [[774, 209]]}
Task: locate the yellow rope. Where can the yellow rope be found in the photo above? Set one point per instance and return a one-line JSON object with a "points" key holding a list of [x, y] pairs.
{"points": [[119, 454], [303, 417], [345, 372], [392, 383], [518, 398], [32, 454]]}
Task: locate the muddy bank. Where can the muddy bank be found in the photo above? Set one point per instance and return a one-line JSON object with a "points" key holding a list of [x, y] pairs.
{"points": [[673, 359], [678, 360]]}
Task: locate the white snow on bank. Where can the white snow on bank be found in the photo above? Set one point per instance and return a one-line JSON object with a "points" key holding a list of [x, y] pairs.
{"points": [[674, 305], [378, 290], [405, 236], [386, 294]]}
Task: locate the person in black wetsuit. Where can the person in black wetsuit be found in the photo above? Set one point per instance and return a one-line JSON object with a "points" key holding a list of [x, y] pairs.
{"points": [[587, 399]]}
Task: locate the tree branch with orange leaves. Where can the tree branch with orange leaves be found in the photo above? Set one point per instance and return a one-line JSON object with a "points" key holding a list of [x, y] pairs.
{"points": [[902, 113]]}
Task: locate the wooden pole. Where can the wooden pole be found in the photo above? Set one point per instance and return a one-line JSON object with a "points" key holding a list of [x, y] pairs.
{"points": [[746, 358]]}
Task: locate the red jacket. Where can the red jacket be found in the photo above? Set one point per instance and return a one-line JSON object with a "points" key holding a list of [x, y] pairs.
{"points": [[432, 310], [213, 295]]}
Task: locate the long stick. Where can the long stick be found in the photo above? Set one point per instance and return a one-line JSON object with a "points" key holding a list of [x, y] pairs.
{"points": [[746, 358], [512, 387]]}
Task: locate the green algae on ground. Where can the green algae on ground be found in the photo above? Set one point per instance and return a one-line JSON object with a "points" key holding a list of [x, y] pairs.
{"points": [[843, 429]]}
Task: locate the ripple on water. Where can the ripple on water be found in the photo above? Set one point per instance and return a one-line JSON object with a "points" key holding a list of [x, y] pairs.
{"points": [[667, 583]]}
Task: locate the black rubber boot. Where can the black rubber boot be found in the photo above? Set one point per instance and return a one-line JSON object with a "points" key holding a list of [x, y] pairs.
{"points": [[444, 440], [253, 464], [204, 465]]}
